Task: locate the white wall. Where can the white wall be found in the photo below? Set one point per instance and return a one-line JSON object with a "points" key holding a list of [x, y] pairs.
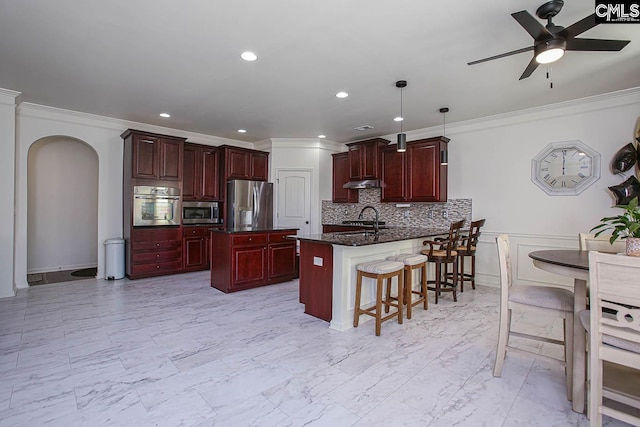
{"points": [[62, 209], [305, 153], [7, 179], [102, 134], [490, 162]]}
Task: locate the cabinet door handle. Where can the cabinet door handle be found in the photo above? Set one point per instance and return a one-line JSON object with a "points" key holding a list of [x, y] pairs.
{"points": [[157, 255], [157, 266], [157, 245]]}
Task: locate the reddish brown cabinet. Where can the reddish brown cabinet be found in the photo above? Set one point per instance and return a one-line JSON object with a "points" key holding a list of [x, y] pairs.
{"points": [[250, 259], [240, 163], [393, 174], [341, 177], [153, 156], [153, 252], [416, 175], [363, 158], [195, 248], [282, 256], [200, 173]]}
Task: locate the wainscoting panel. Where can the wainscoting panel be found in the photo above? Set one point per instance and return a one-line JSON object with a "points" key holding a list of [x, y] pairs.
{"points": [[524, 272]]}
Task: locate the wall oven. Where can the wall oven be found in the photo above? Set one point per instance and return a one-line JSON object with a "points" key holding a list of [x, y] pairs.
{"points": [[154, 206], [201, 213]]}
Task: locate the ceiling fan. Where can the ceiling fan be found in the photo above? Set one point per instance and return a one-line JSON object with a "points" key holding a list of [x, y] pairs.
{"points": [[551, 41]]}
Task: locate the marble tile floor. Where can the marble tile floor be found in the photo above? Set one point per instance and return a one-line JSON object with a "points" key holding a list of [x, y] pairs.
{"points": [[172, 351]]}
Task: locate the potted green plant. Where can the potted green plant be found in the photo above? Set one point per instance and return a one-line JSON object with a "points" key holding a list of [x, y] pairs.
{"points": [[625, 225]]}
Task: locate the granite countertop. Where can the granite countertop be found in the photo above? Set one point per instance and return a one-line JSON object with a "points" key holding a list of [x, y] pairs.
{"points": [[367, 237], [255, 230]]}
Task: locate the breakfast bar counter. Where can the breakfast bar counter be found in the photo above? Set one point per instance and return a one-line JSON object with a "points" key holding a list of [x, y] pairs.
{"points": [[328, 267]]}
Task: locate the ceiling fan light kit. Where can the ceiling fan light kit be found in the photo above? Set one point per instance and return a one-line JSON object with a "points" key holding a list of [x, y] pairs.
{"points": [[551, 40], [550, 51]]}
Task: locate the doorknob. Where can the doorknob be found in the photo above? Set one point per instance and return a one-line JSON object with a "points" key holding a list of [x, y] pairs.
{"points": [[306, 222]]}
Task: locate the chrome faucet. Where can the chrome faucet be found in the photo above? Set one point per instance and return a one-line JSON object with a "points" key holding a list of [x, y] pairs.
{"points": [[376, 225]]}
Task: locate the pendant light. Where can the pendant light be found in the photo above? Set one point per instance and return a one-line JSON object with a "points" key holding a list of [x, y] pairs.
{"points": [[401, 147], [444, 153]]}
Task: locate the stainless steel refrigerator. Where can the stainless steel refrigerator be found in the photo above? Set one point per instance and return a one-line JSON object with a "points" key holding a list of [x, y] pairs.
{"points": [[249, 205]]}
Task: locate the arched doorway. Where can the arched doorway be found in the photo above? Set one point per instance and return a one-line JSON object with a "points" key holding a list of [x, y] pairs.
{"points": [[62, 209]]}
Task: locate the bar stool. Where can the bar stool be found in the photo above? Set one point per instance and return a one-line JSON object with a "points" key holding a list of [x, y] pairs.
{"points": [[468, 249], [412, 262], [379, 270], [442, 252]]}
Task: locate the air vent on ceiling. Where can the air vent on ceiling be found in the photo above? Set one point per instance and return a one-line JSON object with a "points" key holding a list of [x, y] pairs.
{"points": [[364, 127]]}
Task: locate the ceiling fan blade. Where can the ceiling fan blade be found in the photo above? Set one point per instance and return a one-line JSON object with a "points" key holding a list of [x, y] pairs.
{"points": [[532, 26], [579, 27], [596, 44], [530, 68], [502, 55]]}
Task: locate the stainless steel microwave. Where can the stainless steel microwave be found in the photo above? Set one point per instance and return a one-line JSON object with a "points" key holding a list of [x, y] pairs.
{"points": [[201, 213]]}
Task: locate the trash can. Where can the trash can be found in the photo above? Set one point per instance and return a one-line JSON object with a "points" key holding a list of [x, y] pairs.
{"points": [[114, 259]]}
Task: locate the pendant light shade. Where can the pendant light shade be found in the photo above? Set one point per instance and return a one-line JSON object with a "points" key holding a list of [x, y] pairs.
{"points": [[444, 153], [401, 147], [402, 143]]}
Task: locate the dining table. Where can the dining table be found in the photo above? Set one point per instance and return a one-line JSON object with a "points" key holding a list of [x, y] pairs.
{"points": [[572, 263]]}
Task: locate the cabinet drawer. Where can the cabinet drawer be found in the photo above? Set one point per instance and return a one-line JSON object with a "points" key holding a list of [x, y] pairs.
{"points": [[281, 236], [155, 234], [156, 256], [161, 245], [195, 231], [156, 267], [249, 239]]}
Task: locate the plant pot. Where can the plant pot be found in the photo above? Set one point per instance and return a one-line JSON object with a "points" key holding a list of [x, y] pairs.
{"points": [[633, 246]]}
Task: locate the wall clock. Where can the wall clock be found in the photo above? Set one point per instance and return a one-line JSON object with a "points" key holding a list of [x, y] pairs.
{"points": [[565, 168]]}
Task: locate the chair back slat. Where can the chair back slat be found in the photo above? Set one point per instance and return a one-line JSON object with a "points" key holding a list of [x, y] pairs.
{"points": [[614, 296], [471, 240], [589, 242]]}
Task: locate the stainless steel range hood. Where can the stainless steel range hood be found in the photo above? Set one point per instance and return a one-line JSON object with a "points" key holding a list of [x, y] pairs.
{"points": [[367, 183]]}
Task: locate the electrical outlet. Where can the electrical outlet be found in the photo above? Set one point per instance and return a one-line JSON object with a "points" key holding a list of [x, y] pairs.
{"points": [[445, 214], [406, 214]]}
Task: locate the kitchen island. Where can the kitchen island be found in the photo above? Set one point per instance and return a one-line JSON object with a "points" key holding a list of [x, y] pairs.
{"points": [[328, 267], [250, 258]]}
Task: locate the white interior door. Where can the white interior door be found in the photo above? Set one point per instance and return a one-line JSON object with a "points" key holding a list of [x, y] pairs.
{"points": [[294, 199]]}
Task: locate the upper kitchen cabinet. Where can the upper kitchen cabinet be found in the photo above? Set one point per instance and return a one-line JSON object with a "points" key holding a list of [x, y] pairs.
{"points": [[239, 163], [416, 175], [200, 173], [363, 158], [153, 156], [393, 175], [341, 177]]}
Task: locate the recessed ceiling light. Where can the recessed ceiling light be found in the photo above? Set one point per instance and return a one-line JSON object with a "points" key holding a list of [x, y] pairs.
{"points": [[398, 119], [342, 95], [322, 136], [248, 56], [165, 115], [242, 130]]}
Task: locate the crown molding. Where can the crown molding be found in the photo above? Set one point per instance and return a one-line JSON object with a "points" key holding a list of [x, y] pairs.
{"points": [[9, 97], [301, 143], [44, 112]]}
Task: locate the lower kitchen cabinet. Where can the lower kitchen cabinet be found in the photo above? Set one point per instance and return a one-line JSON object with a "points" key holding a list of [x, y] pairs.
{"points": [[153, 252], [245, 260], [195, 248]]}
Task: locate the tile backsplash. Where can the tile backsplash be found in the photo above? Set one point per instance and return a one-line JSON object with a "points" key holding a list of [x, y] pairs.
{"points": [[437, 215]]}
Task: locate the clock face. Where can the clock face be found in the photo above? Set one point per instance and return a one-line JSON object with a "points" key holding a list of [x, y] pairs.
{"points": [[565, 168]]}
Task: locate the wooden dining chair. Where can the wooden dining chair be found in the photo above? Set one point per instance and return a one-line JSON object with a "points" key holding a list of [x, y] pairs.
{"points": [[614, 335], [589, 242], [545, 301], [442, 253]]}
